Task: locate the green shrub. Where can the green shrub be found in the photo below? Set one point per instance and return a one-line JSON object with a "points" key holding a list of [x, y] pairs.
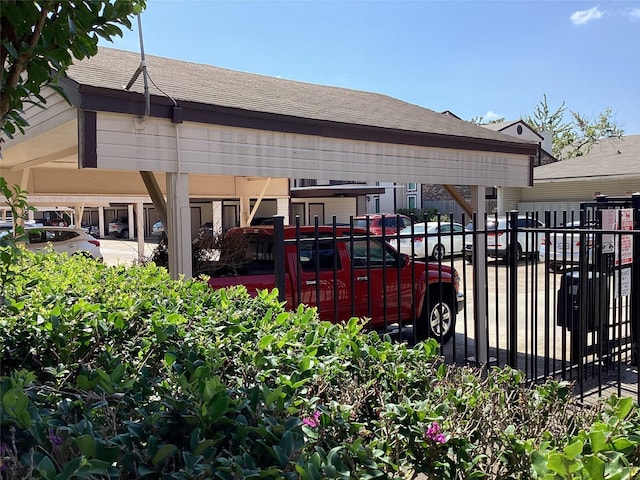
{"points": [[113, 372], [417, 214]]}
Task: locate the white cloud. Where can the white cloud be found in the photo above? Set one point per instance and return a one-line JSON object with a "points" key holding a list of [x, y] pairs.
{"points": [[634, 13], [584, 16], [491, 116]]}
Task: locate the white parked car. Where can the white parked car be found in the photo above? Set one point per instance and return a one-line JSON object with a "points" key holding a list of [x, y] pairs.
{"points": [[119, 227], [564, 247], [431, 239], [157, 229], [67, 240], [498, 238], [8, 224]]}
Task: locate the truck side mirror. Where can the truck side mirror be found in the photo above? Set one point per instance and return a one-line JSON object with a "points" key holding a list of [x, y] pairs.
{"points": [[405, 260]]}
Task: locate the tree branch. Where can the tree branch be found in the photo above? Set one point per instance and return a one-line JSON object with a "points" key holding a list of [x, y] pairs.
{"points": [[21, 62]]}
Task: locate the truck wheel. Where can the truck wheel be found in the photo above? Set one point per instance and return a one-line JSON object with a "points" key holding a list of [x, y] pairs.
{"points": [[438, 252], [438, 321], [507, 257]]}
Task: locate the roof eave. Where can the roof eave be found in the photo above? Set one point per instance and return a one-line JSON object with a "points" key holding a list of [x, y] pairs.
{"points": [[87, 97]]}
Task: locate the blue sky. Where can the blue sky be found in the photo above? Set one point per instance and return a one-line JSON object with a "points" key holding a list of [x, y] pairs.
{"points": [[474, 58]]}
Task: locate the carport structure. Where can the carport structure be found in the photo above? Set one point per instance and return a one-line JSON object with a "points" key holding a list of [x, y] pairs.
{"points": [[189, 130], [196, 130]]}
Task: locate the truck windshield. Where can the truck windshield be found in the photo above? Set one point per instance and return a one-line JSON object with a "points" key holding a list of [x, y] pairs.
{"points": [[247, 254]]}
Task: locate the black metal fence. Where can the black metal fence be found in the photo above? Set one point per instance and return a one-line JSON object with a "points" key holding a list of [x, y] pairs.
{"points": [[556, 297]]}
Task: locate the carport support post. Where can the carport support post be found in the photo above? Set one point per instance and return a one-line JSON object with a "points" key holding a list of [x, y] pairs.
{"points": [[179, 225], [479, 276], [282, 207], [78, 212], [140, 229], [245, 211], [216, 216], [103, 232], [131, 223]]}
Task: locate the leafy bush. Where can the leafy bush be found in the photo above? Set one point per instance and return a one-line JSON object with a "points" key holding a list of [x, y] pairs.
{"points": [[16, 199], [114, 372], [417, 214], [423, 215]]}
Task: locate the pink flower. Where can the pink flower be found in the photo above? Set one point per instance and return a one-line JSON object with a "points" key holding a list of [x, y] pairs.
{"points": [[434, 433], [3, 461], [312, 421], [54, 439]]}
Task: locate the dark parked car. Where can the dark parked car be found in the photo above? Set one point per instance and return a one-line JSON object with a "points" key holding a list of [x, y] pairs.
{"points": [[391, 224]]}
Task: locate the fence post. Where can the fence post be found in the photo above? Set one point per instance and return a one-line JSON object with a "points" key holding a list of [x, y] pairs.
{"points": [[279, 256], [635, 282], [512, 270], [547, 285]]}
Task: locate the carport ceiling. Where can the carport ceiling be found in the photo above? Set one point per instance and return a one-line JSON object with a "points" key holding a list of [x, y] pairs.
{"points": [[344, 134]]}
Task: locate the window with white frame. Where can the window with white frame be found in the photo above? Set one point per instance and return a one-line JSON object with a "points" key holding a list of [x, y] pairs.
{"points": [[412, 187], [411, 201]]}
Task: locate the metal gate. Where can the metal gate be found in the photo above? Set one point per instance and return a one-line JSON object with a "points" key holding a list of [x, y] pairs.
{"points": [[561, 293]]}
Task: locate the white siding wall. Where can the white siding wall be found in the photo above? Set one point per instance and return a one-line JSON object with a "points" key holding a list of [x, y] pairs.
{"points": [[540, 208], [526, 134], [386, 199], [567, 196], [508, 199], [342, 208], [56, 130], [56, 113], [212, 149], [580, 191]]}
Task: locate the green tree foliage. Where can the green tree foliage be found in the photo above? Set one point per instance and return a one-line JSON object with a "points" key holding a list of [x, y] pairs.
{"points": [[481, 121], [41, 39], [577, 136], [16, 199]]}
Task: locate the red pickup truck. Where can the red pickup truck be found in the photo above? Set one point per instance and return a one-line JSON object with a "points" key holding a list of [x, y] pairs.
{"points": [[351, 274]]}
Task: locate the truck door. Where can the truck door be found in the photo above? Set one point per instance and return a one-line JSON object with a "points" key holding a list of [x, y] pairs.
{"points": [[321, 279], [375, 278]]}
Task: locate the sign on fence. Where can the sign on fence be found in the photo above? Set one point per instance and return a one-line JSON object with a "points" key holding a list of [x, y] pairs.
{"points": [[620, 245]]}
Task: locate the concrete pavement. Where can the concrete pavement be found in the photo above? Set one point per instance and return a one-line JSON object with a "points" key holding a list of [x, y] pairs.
{"points": [[117, 251]]}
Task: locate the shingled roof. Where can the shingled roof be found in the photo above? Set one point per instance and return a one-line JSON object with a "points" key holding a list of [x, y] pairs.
{"points": [[501, 126], [205, 85], [610, 158]]}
